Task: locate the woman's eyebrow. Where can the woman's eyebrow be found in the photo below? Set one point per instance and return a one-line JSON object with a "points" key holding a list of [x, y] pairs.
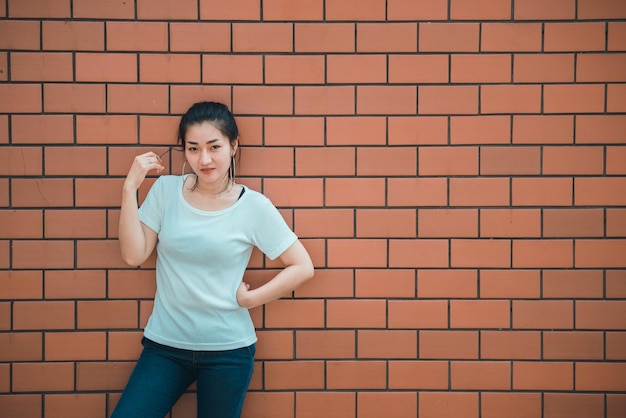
{"points": [[210, 141]]}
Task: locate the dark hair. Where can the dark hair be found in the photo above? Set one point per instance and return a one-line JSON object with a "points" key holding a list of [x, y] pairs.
{"points": [[215, 113]]}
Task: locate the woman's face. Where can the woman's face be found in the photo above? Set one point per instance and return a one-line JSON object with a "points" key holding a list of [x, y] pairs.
{"points": [[208, 152]]}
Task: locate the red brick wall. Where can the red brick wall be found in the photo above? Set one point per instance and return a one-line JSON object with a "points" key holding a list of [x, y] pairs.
{"points": [[457, 169]]}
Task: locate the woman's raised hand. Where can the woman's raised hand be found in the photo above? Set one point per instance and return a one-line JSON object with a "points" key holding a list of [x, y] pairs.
{"points": [[141, 166]]}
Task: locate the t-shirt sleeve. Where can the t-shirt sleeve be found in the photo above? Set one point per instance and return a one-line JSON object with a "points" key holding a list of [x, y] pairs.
{"points": [[272, 235], [151, 210]]}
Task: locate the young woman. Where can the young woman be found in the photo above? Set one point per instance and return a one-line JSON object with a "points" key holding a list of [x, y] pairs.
{"points": [[204, 226]]}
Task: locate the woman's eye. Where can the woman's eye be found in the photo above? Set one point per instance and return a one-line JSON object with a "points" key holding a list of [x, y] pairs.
{"points": [[215, 147], [191, 149]]}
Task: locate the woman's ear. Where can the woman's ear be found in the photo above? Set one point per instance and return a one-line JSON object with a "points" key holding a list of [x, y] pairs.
{"points": [[234, 145]]}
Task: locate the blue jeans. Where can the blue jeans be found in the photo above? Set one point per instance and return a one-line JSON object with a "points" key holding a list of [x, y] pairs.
{"points": [[163, 373]]}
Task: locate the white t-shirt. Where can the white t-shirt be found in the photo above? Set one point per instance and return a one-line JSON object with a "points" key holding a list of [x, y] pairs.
{"points": [[201, 259]]}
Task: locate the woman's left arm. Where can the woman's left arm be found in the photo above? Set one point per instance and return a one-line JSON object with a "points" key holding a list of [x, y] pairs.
{"points": [[298, 269]]}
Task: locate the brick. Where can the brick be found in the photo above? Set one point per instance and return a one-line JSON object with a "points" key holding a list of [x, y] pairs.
{"points": [[418, 314], [573, 98], [600, 68], [385, 283], [382, 100], [448, 161], [572, 284], [510, 284], [457, 284], [39, 8], [444, 100], [543, 314], [511, 37], [21, 285], [615, 405], [480, 314], [600, 377], [233, 10], [20, 35], [329, 223], [448, 345], [600, 315], [480, 253], [387, 344], [325, 100], [479, 192], [418, 69], [323, 344], [327, 404], [616, 36], [442, 223], [106, 67], [294, 375], [72, 35], [448, 404], [544, 129], [615, 98], [448, 37], [480, 375], [600, 253], [154, 10], [397, 161], [418, 130], [41, 66], [102, 376], [124, 345], [601, 9], [328, 283], [575, 37], [510, 99], [324, 37], [615, 283], [350, 192], [43, 315], [24, 98], [273, 100], [106, 314], [543, 68], [390, 223], [325, 161], [103, 129], [361, 313], [410, 10], [480, 10], [38, 129], [510, 223], [480, 129], [232, 69], [510, 160], [510, 345], [355, 10], [606, 191], [74, 98], [75, 405], [567, 345], [543, 376], [21, 405], [615, 222], [483, 68], [22, 346], [265, 37], [356, 375], [386, 37], [357, 253], [513, 405], [75, 346], [137, 98], [298, 69], [294, 192], [542, 191], [83, 161], [422, 253], [99, 254], [21, 161], [277, 404], [541, 10], [418, 375], [295, 314], [75, 284], [392, 404], [600, 129], [169, 68], [48, 254], [615, 345], [356, 69], [41, 192], [275, 345], [361, 130], [579, 160], [50, 377], [573, 223], [267, 161], [4, 67], [543, 254], [575, 405], [113, 9], [199, 36], [130, 284], [287, 10]]}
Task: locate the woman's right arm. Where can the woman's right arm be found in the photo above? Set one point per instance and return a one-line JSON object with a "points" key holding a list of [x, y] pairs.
{"points": [[137, 241]]}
